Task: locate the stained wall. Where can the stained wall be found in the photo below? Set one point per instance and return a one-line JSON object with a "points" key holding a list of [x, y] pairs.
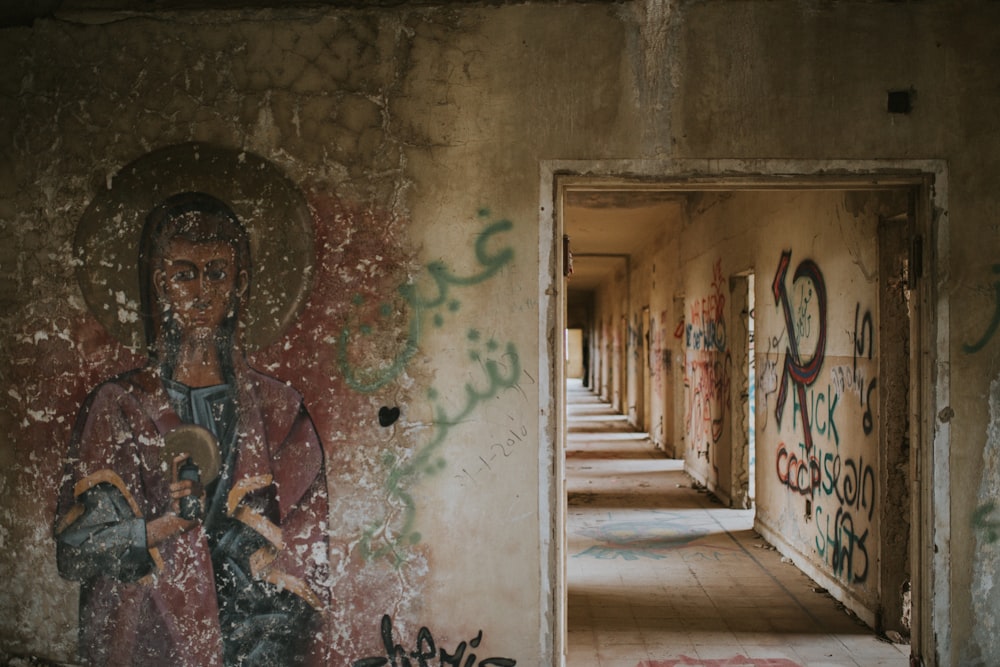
{"points": [[412, 132], [410, 137], [829, 97], [816, 352]]}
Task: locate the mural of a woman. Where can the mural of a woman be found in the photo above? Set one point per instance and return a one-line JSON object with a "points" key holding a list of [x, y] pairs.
{"points": [[242, 581]]}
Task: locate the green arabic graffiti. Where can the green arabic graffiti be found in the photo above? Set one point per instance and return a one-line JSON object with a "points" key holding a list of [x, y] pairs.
{"points": [[981, 520], [994, 323], [501, 373], [370, 380], [500, 366]]}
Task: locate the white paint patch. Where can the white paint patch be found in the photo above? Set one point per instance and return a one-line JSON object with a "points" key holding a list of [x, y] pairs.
{"points": [[847, 379]]}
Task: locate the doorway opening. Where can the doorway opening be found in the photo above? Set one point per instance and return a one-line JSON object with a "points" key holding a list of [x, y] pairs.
{"points": [[744, 465], [743, 380]]}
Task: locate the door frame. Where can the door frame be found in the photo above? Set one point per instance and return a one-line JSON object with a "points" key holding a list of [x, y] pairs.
{"points": [[930, 385]]}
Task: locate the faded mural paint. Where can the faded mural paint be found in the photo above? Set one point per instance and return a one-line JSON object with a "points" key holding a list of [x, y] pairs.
{"points": [[346, 395]]}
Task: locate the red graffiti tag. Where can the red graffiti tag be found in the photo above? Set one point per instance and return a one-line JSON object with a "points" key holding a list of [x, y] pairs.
{"points": [[803, 372]]}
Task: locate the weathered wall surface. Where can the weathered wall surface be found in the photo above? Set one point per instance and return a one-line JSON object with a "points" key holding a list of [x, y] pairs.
{"points": [[707, 371], [610, 312], [817, 434], [415, 134], [812, 81], [415, 139], [654, 280]]}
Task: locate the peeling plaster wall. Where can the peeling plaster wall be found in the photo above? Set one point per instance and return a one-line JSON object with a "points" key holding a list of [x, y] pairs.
{"points": [[610, 312], [810, 80], [409, 134], [414, 121], [653, 278], [986, 590], [817, 436]]}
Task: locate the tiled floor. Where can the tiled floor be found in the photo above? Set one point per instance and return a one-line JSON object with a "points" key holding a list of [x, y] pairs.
{"points": [[661, 575]]}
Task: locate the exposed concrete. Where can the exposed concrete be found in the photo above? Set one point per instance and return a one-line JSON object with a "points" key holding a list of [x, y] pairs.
{"points": [[986, 588], [401, 126]]}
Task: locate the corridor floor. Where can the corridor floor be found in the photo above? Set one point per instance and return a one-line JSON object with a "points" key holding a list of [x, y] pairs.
{"points": [[661, 575]]}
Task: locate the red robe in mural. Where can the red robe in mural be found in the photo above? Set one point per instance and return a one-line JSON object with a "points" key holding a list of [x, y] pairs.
{"points": [[243, 587]]}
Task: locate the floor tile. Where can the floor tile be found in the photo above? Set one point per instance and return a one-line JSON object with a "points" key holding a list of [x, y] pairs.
{"points": [[661, 575]]}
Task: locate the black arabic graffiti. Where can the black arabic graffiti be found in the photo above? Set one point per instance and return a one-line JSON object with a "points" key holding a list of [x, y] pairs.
{"points": [[426, 651]]}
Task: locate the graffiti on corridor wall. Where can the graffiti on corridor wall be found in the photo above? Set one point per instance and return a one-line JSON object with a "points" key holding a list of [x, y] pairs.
{"points": [[822, 405], [662, 358], [849, 485], [768, 382], [706, 329], [426, 653], [707, 368], [828, 474], [855, 379], [840, 484], [800, 368], [638, 340], [708, 382], [660, 364], [994, 323], [841, 545]]}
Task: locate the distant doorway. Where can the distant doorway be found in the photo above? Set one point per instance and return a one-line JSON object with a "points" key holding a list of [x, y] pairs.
{"points": [[574, 354], [744, 428]]}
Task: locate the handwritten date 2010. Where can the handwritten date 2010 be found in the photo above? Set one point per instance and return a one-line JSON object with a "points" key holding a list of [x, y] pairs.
{"points": [[426, 651]]}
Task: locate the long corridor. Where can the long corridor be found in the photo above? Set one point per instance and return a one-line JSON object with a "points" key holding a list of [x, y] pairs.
{"points": [[660, 574]]}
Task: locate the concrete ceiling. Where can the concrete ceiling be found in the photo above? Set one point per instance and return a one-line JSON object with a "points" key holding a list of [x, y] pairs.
{"points": [[606, 226], [24, 12]]}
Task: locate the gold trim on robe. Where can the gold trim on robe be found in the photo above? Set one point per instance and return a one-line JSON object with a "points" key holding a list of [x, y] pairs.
{"points": [[107, 476]]}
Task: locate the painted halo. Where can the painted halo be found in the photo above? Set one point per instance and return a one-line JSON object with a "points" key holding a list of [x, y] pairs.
{"points": [[270, 206]]}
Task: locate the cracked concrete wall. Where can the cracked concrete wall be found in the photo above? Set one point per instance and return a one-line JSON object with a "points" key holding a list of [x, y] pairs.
{"points": [[413, 137], [811, 80], [401, 126], [814, 255]]}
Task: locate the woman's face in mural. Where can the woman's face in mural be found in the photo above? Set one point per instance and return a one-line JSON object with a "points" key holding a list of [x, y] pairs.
{"points": [[199, 284]]}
